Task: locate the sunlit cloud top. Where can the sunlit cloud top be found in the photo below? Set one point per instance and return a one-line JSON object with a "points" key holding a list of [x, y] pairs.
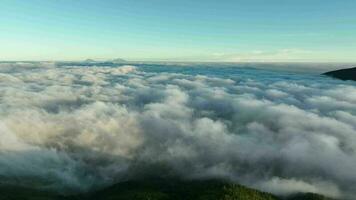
{"points": [[77, 128]]}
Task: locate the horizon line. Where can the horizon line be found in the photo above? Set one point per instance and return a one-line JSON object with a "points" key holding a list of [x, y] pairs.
{"points": [[188, 61]]}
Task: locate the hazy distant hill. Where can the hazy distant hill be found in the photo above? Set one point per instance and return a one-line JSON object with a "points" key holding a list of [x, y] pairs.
{"points": [[343, 74], [118, 60], [89, 60], [159, 190]]}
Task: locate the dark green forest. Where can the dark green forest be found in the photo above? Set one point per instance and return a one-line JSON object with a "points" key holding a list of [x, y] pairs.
{"points": [[158, 190]]}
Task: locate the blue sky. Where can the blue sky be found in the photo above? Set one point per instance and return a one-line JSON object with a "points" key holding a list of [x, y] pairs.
{"points": [[185, 30]]}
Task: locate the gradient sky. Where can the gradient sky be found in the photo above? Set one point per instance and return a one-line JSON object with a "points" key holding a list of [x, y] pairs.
{"points": [[184, 30]]}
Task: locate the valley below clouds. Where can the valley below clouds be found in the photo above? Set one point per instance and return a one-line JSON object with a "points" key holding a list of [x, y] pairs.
{"points": [[74, 128]]}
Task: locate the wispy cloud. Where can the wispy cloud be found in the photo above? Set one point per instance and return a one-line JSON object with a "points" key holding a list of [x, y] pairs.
{"points": [[291, 54]]}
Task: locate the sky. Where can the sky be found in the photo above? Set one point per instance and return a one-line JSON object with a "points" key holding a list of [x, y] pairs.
{"points": [[185, 30]]}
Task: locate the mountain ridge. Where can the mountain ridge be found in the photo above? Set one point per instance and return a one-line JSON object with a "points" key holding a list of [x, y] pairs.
{"points": [[343, 74], [159, 189]]}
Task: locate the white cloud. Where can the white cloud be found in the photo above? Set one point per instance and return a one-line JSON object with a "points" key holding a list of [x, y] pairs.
{"points": [[79, 127], [288, 186]]}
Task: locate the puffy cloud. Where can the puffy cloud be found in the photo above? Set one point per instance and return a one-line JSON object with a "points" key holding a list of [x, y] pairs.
{"points": [[78, 127]]}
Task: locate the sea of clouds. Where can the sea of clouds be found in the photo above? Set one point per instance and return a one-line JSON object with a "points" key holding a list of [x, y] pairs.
{"points": [[75, 128]]}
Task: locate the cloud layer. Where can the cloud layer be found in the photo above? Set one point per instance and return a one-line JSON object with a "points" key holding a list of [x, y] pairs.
{"points": [[75, 128]]}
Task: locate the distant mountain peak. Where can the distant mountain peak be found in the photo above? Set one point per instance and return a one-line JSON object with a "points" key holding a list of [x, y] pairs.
{"points": [[118, 60], [89, 60]]}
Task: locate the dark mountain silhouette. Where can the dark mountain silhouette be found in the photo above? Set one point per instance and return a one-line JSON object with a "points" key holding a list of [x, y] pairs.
{"points": [[343, 74], [159, 189]]}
